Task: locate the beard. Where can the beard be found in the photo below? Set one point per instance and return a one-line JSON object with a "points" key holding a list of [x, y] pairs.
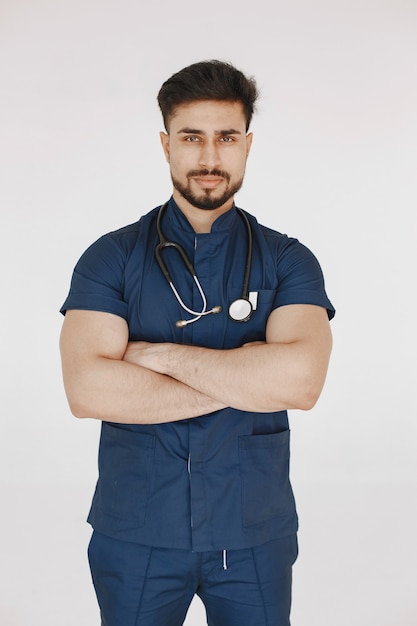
{"points": [[206, 199]]}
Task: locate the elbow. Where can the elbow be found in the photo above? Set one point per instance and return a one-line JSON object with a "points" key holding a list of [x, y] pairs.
{"points": [[307, 401], [308, 394], [302, 399], [78, 412], [78, 405], [78, 409], [309, 384], [84, 402]]}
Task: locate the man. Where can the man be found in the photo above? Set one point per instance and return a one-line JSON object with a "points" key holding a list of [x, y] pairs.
{"points": [[190, 358]]}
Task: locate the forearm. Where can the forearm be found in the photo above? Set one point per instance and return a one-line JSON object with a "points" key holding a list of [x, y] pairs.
{"points": [[123, 392], [259, 378], [286, 372]]}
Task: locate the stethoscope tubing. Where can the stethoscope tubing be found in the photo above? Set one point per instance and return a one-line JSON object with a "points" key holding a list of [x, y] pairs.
{"points": [[244, 299], [245, 288]]}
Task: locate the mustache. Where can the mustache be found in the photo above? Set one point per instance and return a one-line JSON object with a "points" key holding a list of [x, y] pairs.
{"points": [[206, 172]]}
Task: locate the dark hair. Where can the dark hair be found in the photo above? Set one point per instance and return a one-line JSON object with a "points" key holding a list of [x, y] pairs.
{"points": [[207, 80]]}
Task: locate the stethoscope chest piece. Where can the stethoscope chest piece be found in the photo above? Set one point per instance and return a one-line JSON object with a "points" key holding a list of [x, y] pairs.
{"points": [[240, 310]]}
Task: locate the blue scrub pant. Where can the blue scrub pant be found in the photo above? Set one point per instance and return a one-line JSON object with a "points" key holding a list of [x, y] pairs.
{"points": [[140, 585]]}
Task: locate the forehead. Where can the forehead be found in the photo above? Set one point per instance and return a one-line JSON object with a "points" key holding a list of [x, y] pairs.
{"points": [[208, 115]]}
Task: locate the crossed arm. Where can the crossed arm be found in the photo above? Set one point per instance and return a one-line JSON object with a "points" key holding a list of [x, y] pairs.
{"points": [[108, 378]]}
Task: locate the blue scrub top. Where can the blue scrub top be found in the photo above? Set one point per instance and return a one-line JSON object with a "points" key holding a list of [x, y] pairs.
{"points": [[219, 481]]}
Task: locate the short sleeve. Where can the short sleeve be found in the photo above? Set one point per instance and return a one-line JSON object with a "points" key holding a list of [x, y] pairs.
{"points": [[97, 281], [300, 278]]}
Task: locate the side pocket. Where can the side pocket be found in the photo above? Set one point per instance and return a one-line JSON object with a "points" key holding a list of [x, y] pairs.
{"points": [[125, 470], [264, 469]]}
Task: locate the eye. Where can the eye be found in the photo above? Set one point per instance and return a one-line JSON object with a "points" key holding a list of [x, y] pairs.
{"points": [[192, 138], [226, 139]]}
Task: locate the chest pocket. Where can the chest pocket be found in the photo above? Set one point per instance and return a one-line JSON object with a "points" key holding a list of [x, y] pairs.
{"points": [[254, 328], [264, 470]]}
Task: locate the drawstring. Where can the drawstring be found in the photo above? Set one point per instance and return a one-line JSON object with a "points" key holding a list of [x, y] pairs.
{"points": [[224, 559]]}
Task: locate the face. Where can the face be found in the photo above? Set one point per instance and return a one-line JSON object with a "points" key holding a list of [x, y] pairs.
{"points": [[207, 147]]}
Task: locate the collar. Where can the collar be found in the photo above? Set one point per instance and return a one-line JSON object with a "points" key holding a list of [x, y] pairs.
{"points": [[178, 221]]}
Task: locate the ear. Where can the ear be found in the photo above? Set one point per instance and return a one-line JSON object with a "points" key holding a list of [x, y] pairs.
{"points": [[164, 137], [249, 139]]}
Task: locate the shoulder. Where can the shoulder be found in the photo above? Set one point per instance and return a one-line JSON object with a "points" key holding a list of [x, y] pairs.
{"points": [[298, 272], [99, 278], [282, 246], [118, 245]]}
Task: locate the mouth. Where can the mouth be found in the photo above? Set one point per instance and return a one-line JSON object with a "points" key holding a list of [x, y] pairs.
{"points": [[208, 182], [209, 179]]}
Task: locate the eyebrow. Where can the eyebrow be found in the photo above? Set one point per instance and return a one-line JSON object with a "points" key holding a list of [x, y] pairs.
{"points": [[194, 131]]}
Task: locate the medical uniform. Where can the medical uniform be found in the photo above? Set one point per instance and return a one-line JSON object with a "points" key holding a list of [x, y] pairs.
{"points": [[216, 484]]}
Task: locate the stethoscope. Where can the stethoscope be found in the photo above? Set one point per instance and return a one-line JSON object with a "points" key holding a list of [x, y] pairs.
{"points": [[240, 310]]}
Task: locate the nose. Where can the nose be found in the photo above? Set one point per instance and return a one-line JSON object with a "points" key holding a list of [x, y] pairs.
{"points": [[209, 155]]}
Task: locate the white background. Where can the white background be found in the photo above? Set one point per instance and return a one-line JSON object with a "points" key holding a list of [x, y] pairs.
{"points": [[333, 163]]}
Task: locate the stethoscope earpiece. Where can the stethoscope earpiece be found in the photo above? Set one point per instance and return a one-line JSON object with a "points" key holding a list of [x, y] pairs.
{"points": [[183, 323], [240, 310]]}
